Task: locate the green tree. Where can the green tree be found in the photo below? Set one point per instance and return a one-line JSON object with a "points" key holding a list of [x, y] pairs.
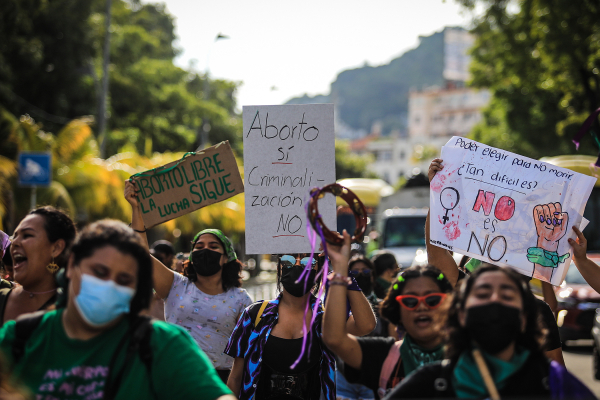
{"points": [[45, 59], [541, 61], [350, 165], [50, 68]]}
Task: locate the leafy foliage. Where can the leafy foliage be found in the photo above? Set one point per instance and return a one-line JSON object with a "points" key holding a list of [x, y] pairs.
{"points": [[50, 68], [350, 165], [542, 64]]}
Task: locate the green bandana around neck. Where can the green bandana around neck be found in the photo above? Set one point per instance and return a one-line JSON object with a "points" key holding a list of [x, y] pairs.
{"points": [[383, 283], [224, 240], [467, 381], [414, 356], [545, 258]]}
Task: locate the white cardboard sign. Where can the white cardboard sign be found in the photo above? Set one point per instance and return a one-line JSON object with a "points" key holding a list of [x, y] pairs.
{"points": [[288, 150], [507, 209]]}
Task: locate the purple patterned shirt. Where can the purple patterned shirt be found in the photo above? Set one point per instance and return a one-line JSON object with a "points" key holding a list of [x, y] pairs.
{"points": [[249, 343]]}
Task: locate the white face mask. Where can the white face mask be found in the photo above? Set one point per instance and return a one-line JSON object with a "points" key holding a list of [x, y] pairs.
{"points": [[100, 302]]}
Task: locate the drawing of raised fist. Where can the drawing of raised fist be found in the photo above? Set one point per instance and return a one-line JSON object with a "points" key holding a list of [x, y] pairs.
{"points": [[551, 225]]}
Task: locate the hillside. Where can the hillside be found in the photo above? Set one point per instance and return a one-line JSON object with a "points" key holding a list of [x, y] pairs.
{"points": [[380, 94]]}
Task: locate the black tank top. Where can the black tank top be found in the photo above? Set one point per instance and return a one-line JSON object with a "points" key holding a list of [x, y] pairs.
{"points": [[278, 356]]}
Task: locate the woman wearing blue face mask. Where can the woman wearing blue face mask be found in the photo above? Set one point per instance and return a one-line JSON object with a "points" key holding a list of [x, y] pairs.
{"points": [[97, 346], [207, 299], [269, 336]]}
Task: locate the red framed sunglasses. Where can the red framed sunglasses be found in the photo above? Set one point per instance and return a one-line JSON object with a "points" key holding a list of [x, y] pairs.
{"points": [[411, 302]]}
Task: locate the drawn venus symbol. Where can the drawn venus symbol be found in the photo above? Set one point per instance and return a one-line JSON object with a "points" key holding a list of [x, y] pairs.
{"points": [[449, 198]]}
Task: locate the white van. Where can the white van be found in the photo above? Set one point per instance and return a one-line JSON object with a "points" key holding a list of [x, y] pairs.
{"points": [[402, 232]]}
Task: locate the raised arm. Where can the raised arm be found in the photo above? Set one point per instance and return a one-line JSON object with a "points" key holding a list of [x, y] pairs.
{"points": [[437, 256], [335, 333], [162, 276], [589, 269], [362, 321]]}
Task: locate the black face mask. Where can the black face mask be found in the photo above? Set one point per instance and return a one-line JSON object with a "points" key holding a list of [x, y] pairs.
{"points": [[206, 262], [364, 281], [289, 276], [493, 326]]}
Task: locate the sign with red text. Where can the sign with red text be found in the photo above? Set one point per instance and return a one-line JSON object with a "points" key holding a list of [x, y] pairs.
{"points": [[507, 209], [180, 187], [288, 150]]}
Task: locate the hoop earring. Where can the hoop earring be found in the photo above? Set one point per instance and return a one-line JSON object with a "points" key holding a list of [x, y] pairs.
{"points": [[52, 267]]}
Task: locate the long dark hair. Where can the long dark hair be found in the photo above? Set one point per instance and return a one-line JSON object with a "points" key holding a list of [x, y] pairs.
{"points": [[459, 339], [364, 260], [58, 225], [118, 235], [389, 307], [382, 262], [230, 272]]}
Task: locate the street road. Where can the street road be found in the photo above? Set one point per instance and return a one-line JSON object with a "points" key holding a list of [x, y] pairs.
{"points": [[578, 357]]}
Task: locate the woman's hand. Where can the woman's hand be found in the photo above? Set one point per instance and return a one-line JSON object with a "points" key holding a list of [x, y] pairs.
{"points": [[131, 193], [340, 255], [579, 246], [434, 167]]}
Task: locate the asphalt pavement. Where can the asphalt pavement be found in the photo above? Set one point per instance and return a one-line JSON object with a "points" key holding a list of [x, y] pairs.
{"points": [[578, 358]]}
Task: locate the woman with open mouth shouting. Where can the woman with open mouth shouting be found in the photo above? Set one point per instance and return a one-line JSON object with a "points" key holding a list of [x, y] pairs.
{"points": [[40, 247], [413, 302]]}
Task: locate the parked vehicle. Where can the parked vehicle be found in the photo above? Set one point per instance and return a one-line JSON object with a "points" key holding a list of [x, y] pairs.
{"points": [[401, 232], [577, 304]]}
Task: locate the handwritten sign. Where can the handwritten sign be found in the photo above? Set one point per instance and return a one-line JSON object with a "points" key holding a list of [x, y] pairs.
{"points": [[197, 180], [507, 209], [287, 151]]}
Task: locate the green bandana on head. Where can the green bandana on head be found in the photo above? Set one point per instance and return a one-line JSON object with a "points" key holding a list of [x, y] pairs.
{"points": [[224, 240]]}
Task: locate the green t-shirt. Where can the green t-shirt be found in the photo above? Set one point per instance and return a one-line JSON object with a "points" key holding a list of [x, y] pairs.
{"points": [[57, 367]]}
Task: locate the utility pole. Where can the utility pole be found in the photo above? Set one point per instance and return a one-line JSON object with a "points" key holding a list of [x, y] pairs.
{"points": [[204, 129], [102, 101]]}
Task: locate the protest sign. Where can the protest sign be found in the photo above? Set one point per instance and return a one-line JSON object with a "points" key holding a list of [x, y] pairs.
{"points": [[287, 151], [197, 180], [507, 209]]}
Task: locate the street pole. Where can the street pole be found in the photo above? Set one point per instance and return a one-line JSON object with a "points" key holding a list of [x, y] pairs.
{"points": [[204, 129], [33, 199], [104, 91]]}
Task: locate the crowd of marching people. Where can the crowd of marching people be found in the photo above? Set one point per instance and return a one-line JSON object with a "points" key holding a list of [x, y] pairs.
{"points": [[102, 314]]}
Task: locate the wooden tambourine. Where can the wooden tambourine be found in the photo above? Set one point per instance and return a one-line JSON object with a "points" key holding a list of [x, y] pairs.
{"points": [[357, 207]]}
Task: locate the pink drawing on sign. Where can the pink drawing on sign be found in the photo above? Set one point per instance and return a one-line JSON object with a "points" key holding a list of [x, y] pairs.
{"points": [[438, 182], [451, 230], [505, 208]]}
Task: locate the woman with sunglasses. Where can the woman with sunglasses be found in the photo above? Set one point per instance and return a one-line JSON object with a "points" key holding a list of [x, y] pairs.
{"points": [[494, 347], [268, 339], [207, 299], [413, 303]]}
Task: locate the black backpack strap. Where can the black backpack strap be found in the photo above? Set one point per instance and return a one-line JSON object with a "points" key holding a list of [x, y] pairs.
{"points": [[140, 335], [24, 327]]}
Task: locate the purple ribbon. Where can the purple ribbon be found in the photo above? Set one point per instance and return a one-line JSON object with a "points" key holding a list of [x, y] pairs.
{"points": [[584, 129], [4, 242], [312, 236]]}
